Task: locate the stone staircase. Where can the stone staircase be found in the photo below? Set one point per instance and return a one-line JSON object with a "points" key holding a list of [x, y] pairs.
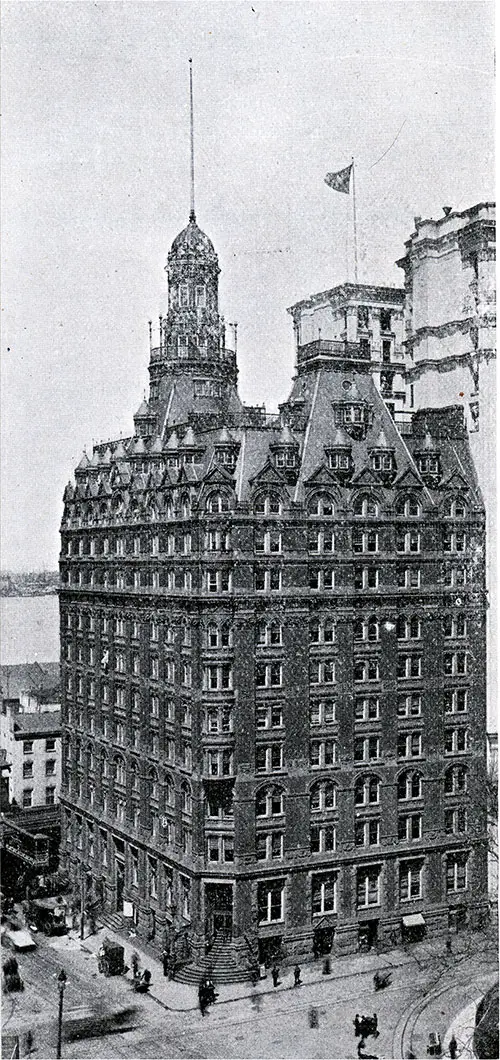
{"points": [[223, 964]]}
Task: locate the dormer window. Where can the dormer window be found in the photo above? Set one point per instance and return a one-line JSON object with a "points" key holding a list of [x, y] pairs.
{"points": [[383, 461], [428, 465], [339, 460], [286, 458]]}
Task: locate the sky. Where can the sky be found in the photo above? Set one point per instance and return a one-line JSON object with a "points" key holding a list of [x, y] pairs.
{"points": [[95, 180]]}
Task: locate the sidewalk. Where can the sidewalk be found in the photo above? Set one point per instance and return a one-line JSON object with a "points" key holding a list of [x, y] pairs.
{"points": [[463, 1028], [183, 997]]}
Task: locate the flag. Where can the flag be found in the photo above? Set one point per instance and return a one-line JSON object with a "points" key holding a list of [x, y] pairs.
{"points": [[340, 181]]}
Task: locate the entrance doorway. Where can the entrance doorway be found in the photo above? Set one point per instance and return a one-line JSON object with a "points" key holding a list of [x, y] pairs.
{"points": [[367, 935], [218, 911], [323, 941]]}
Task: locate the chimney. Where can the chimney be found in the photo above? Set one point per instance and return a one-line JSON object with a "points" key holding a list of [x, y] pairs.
{"points": [[447, 210]]}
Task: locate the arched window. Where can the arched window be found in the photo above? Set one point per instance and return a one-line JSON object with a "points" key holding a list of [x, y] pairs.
{"points": [[455, 780], [321, 504], [323, 796], [119, 770], [365, 504], [169, 791], [409, 627], [104, 764], [410, 785], [409, 506], [186, 798], [268, 504], [217, 502], [270, 633], [366, 628], [185, 506], [367, 790], [455, 508], [134, 776], [269, 802], [154, 788]]}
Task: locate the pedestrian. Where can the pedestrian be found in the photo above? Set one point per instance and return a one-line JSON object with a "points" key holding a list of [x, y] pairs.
{"points": [[448, 944], [134, 961], [275, 972], [101, 957], [202, 997], [165, 958], [361, 1045], [315, 948], [28, 1043], [453, 1047], [357, 1026], [296, 976], [375, 1025]]}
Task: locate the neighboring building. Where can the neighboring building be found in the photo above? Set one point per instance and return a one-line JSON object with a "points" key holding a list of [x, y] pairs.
{"points": [[361, 318], [30, 734], [492, 765], [23, 678], [450, 341], [273, 651]]}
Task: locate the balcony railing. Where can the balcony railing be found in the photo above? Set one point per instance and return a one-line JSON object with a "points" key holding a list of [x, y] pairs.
{"points": [[334, 348], [191, 352]]}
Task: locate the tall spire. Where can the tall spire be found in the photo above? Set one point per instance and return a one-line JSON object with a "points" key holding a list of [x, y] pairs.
{"points": [[192, 215]]}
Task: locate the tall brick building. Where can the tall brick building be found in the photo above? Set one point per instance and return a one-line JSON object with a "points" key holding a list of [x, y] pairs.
{"points": [[273, 653]]}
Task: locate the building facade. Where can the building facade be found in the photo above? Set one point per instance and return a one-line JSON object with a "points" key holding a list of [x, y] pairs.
{"points": [[30, 735], [273, 651]]}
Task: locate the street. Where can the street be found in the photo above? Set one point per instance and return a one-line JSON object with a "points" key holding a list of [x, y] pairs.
{"points": [[427, 991]]}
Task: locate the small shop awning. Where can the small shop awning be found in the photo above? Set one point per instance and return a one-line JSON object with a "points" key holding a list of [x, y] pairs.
{"points": [[414, 920]]}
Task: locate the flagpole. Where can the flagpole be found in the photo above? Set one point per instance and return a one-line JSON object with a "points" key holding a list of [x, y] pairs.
{"points": [[355, 229]]}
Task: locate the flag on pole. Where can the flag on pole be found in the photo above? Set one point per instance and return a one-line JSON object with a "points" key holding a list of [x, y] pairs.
{"points": [[341, 180]]}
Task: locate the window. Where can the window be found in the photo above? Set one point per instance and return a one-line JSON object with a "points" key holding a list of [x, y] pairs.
{"points": [[363, 317], [269, 716], [408, 506], [367, 791], [324, 893], [454, 541], [366, 578], [454, 626], [365, 505], [200, 296], [322, 712], [322, 672], [267, 541], [218, 502], [455, 663], [218, 541], [456, 872], [50, 767], [366, 628], [268, 504], [27, 798], [270, 901], [367, 708], [269, 802], [50, 796], [323, 838], [407, 540], [385, 319], [455, 508], [408, 578], [219, 763], [322, 753], [323, 797], [367, 832], [321, 504], [218, 581], [409, 628], [217, 677], [455, 820], [364, 541], [409, 744], [220, 848], [268, 845], [455, 700], [27, 769], [339, 459], [367, 887], [383, 461], [322, 541], [409, 666], [410, 880], [268, 758], [268, 675], [410, 706], [366, 748], [410, 827], [28, 747], [366, 670], [455, 741], [321, 579], [268, 580], [269, 633]]}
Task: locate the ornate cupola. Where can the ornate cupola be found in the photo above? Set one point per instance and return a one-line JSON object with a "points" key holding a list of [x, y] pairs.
{"points": [[285, 451], [352, 411], [339, 455], [428, 461], [383, 458], [144, 420]]}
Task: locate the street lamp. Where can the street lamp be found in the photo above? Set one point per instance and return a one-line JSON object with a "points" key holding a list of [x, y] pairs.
{"points": [[61, 983]]}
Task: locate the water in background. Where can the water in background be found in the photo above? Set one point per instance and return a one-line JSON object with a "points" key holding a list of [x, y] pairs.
{"points": [[29, 630]]}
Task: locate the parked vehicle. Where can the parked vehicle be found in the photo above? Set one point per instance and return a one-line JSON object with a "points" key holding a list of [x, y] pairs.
{"points": [[48, 915], [83, 1022], [10, 974], [17, 938], [381, 980]]}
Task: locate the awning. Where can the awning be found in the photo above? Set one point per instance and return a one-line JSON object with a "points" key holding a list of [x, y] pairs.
{"points": [[415, 920]]}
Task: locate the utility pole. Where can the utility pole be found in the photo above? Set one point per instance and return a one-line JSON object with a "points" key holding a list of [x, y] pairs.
{"points": [[61, 982], [82, 902]]}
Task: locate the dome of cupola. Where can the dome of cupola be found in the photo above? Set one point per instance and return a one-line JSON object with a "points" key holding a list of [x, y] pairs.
{"points": [[193, 244]]}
